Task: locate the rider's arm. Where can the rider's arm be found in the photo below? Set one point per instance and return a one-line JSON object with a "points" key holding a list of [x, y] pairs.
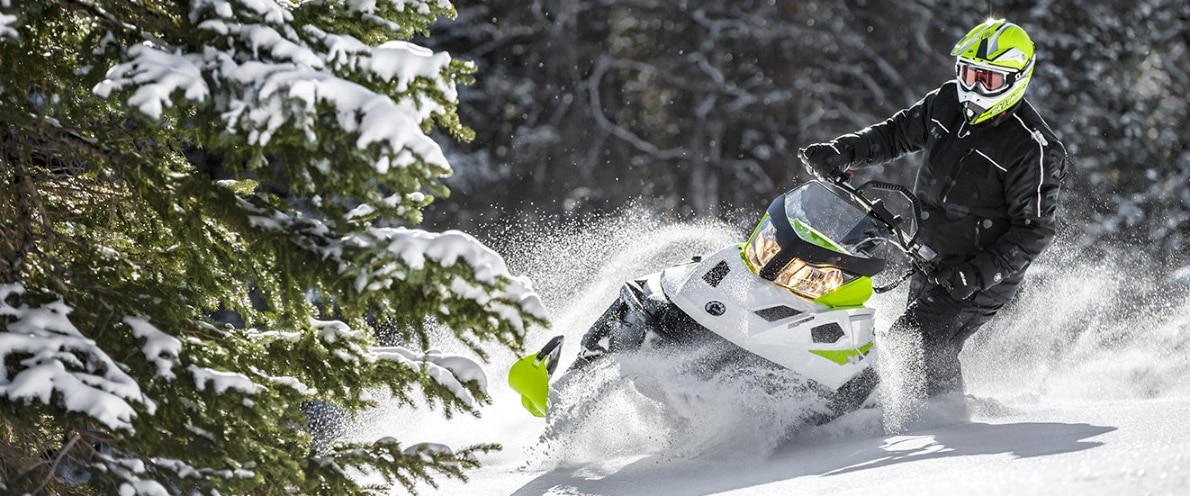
{"points": [[1031, 188], [905, 132]]}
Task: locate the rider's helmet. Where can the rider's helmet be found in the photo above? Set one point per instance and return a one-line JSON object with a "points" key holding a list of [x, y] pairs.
{"points": [[994, 65]]}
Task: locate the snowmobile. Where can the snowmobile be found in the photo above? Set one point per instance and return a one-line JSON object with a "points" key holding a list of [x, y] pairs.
{"points": [[792, 296]]}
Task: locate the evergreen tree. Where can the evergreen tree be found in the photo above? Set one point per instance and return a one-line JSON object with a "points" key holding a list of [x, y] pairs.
{"points": [[166, 164]]}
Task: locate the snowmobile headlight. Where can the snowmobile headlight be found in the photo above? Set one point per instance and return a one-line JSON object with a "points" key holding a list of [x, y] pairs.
{"points": [[763, 245], [810, 281]]}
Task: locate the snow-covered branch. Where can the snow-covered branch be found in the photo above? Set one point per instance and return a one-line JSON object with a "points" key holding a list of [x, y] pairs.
{"points": [[400, 250], [449, 371], [160, 348], [129, 470], [273, 78], [252, 154], [415, 247], [7, 21], [56, 363]]}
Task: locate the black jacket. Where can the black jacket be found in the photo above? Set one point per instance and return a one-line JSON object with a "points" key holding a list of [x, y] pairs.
{"points": [[989, 192]]}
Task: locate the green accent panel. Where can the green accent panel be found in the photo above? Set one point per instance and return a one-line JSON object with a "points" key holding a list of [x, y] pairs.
{"points": [[852, 294], [843, 357], [756, 229], [811, 235], [744, 256], [530, 378]]}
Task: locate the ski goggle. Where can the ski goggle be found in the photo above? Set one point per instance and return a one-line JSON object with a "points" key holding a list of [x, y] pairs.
{"points": [[990, 81]]}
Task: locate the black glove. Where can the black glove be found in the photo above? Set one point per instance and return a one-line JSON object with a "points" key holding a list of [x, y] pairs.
{"points": [[961, 280], [827, 160]]}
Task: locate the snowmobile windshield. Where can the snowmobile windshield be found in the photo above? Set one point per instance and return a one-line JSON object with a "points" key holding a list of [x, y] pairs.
{"points": [[830, 218], [815, 238]]}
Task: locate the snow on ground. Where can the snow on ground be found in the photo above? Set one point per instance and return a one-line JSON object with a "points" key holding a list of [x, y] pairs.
{"points": [[1109, 448], [1068, 397]]}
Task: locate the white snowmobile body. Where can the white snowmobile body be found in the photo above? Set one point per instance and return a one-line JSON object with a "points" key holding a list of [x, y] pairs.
{"points": [[828, 345], [792, 296]]}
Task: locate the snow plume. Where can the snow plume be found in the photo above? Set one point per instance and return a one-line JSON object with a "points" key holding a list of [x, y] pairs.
{"points": [[606, 409], [579, 270], [900, 361], [55, 362], [1087, 328]]}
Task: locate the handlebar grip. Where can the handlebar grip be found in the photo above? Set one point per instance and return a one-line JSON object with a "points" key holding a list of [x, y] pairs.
{"points": [[895, 188], [841, 176]]}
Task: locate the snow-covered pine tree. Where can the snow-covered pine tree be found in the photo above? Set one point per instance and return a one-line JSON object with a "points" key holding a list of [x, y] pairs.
{"points": [[164, 163]]}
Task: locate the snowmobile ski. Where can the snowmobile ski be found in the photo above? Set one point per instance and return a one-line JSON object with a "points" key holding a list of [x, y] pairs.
{"points": [[530, 376]]}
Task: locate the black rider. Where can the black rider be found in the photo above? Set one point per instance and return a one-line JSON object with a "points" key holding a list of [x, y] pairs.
{"points": [[989, 186]]}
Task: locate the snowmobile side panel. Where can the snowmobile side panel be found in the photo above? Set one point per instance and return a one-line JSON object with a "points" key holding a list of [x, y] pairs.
{"points": [[738, 307]]}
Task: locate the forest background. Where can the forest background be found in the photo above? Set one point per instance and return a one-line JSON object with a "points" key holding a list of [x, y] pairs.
{"points": [[697, 108]]}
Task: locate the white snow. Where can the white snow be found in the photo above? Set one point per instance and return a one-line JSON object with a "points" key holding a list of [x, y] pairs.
{"points": [[7, 22], [1101, 413], [361, 211], [143, 488], [188, 471], [405, 61], [270, 11], [274, 78], [413, 248], [157, 75], [332, 331], [6, 25], [420, 6], [292, 383], [449, 370], [183, 469], [221, 381], [57, 364], [160, 348]]}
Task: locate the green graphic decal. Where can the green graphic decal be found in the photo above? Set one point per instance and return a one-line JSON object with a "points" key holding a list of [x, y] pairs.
{"points": [[844, 357]]}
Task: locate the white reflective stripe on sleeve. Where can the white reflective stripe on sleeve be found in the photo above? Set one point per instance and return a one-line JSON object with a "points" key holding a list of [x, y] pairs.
{"points": [[1041, 176], [940, 125], [1040, 139]]}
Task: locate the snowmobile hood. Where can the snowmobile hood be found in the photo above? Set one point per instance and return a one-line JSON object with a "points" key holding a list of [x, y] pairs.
{"points": [[821, 225]]}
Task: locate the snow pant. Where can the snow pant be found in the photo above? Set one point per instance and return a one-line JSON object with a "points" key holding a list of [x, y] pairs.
{"points": [[945, 324]]}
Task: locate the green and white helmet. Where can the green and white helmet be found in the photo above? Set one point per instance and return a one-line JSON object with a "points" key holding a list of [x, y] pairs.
{"points": [[994, 65]]}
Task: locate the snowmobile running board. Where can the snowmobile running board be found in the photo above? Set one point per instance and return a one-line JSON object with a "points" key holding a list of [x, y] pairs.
{"points": [[530, 376]]}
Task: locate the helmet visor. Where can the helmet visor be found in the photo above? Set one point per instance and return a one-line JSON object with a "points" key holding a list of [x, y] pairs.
{"points": [[981, 79]]}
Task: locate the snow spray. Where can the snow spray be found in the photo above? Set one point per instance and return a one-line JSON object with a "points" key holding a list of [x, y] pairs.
{"points": [[1077, 331]]}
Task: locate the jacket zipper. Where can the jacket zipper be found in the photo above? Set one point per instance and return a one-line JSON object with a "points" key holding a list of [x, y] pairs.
{"points": [[954, 178]]}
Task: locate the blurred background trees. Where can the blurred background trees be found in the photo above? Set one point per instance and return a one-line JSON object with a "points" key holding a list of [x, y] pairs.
{"points": [[700, 107]]}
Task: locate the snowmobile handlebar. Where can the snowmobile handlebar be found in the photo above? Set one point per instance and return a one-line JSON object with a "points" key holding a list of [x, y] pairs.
{"points": [[895, 188], [920, 256]]}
